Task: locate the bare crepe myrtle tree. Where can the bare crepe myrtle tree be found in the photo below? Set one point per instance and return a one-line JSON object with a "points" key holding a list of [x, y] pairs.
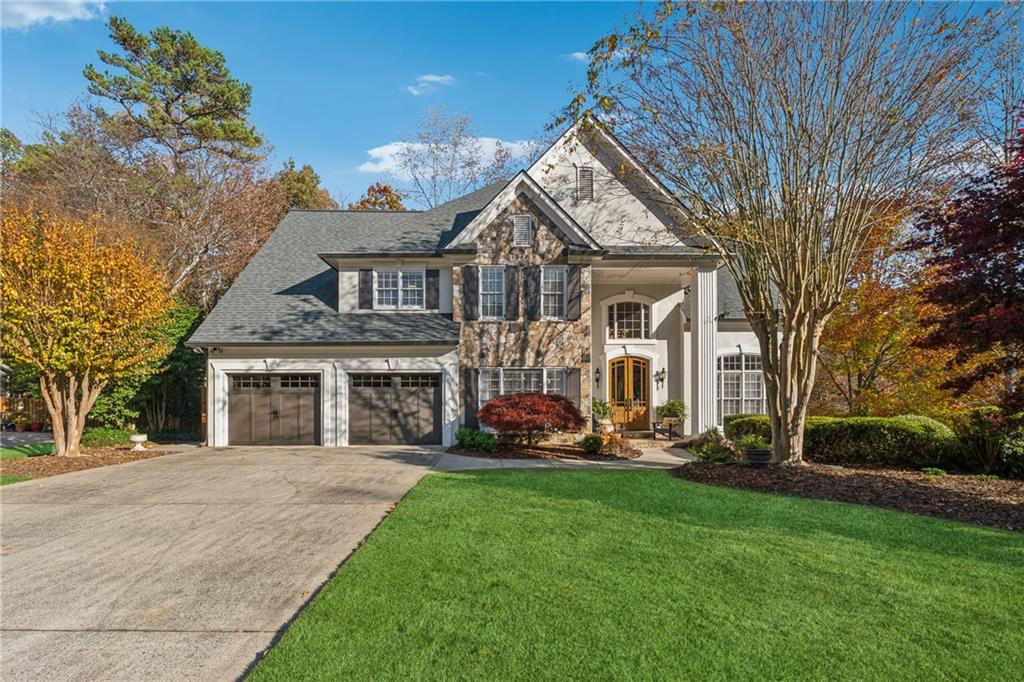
{"points": [[790, 132]]}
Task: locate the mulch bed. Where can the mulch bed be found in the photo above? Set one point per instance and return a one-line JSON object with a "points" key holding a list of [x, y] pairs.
{"points": [[48, 465], [546, 451], [998, 503]]}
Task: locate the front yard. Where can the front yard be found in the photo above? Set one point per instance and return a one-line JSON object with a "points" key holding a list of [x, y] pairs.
{"points": [[639, 575]]}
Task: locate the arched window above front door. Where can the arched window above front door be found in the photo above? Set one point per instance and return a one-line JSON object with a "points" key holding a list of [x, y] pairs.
{"points": [[629, 320]]}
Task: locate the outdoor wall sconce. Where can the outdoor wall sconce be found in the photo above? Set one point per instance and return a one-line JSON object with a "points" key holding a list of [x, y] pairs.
{"points": [[659, 377], [597, 376]]}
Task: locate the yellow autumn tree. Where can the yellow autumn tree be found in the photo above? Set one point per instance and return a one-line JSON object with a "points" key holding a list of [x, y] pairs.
{"points": [[80, 307]]}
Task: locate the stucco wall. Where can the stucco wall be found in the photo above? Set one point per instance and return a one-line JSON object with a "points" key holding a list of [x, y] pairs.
{"points": [[615, 216], [665, 350]]}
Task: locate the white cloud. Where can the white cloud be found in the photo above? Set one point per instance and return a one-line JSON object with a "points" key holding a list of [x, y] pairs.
{"points": [[384, 159], [429, 82], [24, 15], [581, 57]]}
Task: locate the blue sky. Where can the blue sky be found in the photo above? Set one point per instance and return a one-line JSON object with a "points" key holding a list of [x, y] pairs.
{"points": [[331, 80]]}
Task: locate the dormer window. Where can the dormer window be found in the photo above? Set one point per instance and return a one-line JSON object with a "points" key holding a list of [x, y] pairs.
{"points": [[522, 230], [584, 183]]}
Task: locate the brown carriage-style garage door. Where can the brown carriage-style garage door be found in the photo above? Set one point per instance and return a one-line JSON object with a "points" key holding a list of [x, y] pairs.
{"points": [[394, 408], [274, 409]]}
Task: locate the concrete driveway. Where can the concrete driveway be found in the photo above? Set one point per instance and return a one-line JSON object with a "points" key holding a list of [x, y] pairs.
{"points": [[183, 566]]}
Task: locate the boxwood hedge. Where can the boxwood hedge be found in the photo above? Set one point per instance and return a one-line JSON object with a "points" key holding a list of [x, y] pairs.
{"points": [[909, 440]]}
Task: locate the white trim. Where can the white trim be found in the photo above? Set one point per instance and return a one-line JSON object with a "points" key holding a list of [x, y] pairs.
{"points": [[521, 183], [565, 292]]}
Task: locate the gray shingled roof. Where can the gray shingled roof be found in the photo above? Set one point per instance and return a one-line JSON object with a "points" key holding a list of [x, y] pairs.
{"points": [[288, 295], [730, 305]]}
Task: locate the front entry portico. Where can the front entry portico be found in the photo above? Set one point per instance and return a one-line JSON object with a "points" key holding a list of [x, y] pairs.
{"points": [[629, 390]]}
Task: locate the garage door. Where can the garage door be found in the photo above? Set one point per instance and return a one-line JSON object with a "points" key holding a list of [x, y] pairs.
{"points": [[394, 408], [274, 409]]}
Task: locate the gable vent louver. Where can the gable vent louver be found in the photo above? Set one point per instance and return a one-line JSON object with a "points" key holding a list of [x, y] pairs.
{"points": [[585, 183], [522, 230]]}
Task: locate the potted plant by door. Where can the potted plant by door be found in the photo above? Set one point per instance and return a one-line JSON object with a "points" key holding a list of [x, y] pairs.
{"points": [[602, 416], [756, 449]]}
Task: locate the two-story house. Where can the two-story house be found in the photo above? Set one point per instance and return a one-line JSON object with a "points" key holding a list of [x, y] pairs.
{"points": [[577, 276]]}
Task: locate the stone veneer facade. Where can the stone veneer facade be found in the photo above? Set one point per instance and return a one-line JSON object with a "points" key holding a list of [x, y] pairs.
{"points": [[525, 343]]}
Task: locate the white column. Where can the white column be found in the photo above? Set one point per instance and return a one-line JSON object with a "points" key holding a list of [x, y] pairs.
{"points": [[703, 329]]}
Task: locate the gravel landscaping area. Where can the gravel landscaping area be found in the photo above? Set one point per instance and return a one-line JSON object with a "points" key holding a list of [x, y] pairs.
{"points": [[49, 465], [971, 499]]}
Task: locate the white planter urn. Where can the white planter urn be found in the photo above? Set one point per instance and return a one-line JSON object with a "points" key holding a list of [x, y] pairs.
{"points": [[138, 439], [605, 425]]}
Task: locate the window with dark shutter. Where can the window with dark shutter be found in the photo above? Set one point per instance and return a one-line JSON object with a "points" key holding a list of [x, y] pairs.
{"points": [[470, 292], [366, 289], [584, 183]]}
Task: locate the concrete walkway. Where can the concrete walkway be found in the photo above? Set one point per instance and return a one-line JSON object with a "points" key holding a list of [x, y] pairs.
{"points": [[652, 458], [185, 567]]}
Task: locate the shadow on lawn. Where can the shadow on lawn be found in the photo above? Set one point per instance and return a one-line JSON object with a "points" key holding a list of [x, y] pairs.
{"points": [[733, 511]]}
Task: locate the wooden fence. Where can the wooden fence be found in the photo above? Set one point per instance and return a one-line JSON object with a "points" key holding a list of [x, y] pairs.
{"points": [[34, 409]]}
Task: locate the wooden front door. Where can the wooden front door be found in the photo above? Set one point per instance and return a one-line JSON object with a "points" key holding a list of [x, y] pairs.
{"points": [[629, 392]]}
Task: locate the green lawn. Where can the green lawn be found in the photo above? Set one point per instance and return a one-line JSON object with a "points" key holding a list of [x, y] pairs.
{"points": [[6, 480], [33, 450], [637, 575]]}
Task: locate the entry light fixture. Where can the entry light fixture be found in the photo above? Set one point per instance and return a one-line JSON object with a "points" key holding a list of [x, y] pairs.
{"points": [[659, 376], [597, 376]]}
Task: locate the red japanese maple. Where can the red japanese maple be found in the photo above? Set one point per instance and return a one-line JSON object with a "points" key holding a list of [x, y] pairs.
{"points": [[977, 244], [530, 414]]}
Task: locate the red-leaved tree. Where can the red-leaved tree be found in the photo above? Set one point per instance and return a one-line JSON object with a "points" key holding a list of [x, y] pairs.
{"points": [[531, 414], [977, 244]]}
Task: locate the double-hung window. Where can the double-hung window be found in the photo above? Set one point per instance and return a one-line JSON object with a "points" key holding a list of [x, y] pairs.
{"points": [[492, 293], [495, 381], [553, 292], [399, 288], [740, 385]]}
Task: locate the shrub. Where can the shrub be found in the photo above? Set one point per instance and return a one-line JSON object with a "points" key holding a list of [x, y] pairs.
{"points": [[600, 409], [753, 441], [911, 440], [104, 437], [730, 418], [671, 408], [471, 439], [712, 446], [933, 471], [591, 444], [529, 414], [991, 441]]}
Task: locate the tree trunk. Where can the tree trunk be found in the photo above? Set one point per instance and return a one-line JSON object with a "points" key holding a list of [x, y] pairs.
{"points": [[789, 359], [68, 399]]}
